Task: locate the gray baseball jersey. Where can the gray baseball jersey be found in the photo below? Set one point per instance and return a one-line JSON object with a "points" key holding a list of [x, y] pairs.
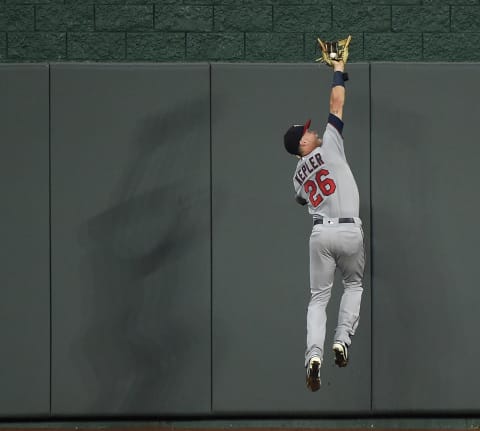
{"points": [[324, 179]]}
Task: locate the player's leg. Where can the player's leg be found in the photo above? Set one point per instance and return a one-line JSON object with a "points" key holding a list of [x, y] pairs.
{"points": [[322, 270], [351, 262]]}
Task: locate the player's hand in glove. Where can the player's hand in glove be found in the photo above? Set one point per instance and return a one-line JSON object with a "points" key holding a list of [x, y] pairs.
{"points": [[335, 51]]}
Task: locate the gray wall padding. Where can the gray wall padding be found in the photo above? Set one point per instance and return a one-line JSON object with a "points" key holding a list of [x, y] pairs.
{"points": [[24, 233], [425, 177], [260, 241], [131, 239], [143, 291]]}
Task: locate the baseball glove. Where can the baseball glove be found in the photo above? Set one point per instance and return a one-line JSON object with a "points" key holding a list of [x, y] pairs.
{"points": [[334, 51]]}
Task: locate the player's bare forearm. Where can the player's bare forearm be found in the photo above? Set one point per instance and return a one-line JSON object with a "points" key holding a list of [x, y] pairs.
{"points": [[337, 95], [339, 66]]}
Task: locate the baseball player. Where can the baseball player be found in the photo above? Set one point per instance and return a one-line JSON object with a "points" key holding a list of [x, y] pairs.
{"points": [[324, 182]]}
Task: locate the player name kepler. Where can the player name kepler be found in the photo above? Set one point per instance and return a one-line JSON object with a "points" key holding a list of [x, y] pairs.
{"points": [[307, 167]]}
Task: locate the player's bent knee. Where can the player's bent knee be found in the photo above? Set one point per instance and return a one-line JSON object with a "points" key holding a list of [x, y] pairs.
{"points": [[353, 286], [320, 295]]}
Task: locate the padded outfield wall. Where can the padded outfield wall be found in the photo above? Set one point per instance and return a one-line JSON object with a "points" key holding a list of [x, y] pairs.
{"points": [[148, 223]]}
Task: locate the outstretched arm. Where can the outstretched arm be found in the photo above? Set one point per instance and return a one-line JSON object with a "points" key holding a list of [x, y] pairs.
{"points": [[337, 96]]}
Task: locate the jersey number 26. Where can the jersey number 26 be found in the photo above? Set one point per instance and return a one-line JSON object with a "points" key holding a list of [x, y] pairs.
{"points": [[326, 185]]}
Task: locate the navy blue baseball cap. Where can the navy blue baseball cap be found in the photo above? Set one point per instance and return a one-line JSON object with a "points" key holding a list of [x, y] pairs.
{"points": [[292, 138]]}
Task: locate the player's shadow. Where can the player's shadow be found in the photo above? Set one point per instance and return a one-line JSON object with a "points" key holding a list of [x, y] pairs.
{"points": [[144, 254]]}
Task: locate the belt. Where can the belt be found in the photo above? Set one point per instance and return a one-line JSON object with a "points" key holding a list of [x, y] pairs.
{"points": [[340, 220]]}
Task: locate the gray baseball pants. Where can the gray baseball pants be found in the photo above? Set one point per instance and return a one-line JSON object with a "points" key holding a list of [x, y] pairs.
{"points": [[334, 245]]}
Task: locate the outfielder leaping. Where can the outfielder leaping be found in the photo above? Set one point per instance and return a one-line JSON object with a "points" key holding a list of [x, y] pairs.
{"points": [[323, 181]]}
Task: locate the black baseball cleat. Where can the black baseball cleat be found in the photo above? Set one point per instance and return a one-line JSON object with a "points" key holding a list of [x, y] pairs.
{"points": [[313, 374], [341, 353]]}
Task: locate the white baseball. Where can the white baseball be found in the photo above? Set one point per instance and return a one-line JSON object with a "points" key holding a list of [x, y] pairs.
{"points": [[333, 55]]}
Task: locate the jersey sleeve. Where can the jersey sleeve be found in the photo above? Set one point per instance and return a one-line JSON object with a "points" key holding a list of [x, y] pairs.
{"points": [[332, 138], [299, 196], [297, 187]]}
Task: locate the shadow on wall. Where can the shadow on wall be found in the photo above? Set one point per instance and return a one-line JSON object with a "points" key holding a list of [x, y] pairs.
{"points": [[142, 253]]}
